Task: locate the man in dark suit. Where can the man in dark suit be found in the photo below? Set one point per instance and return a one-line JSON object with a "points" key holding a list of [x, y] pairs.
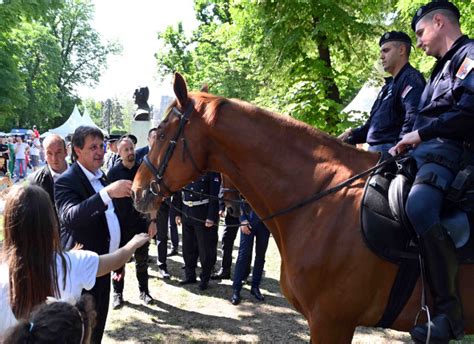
{"points": [[135, 222], [55, 155], [141, 152], [84, 200], [161, 217]]}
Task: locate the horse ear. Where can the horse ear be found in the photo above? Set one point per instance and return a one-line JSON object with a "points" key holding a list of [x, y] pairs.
{"points": [[205, 88], [180, 89]]}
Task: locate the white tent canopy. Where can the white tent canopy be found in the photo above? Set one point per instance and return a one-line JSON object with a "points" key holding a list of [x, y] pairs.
{"points": [[75, 120], [363, 101], [87, 120]]}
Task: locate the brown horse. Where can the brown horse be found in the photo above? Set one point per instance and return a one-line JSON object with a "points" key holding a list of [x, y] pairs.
{"points": [[327, 272]]}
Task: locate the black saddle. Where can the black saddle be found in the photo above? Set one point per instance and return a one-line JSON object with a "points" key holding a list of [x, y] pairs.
{"points": [[385, 226], [388, 233]]}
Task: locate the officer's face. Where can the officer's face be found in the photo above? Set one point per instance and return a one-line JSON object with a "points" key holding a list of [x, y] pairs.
{"points": [[390, 55], [426, 31]]}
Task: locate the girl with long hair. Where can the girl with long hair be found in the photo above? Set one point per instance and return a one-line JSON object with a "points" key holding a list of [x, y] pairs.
{"points": [[32, 264]]}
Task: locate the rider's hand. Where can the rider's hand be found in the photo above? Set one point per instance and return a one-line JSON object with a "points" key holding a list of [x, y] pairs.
{"points": [[408, 140], [119, 189], [209, 223], [345, 135], [177, 219]]}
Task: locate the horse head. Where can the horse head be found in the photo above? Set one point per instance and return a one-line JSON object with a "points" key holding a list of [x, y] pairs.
{"points": [[177, 156]]}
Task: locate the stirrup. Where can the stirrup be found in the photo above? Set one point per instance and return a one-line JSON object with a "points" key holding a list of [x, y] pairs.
{"points": [[424, 306]]}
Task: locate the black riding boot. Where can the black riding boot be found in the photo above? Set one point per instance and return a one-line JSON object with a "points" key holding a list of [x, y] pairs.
{"points": [[441, 265]]}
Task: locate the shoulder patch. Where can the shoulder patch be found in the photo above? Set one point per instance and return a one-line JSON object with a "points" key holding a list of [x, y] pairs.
{"points": [[406, 90], [465, 68]]}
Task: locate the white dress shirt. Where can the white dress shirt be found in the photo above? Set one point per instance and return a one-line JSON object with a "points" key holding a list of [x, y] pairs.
{"points": [[56, 175], [111, 217]]}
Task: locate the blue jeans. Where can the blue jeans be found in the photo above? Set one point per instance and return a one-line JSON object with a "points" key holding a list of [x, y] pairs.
{"points": [[261, 235], [20, 165]]}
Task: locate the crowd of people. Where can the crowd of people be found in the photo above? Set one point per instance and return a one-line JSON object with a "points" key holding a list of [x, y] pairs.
{"points": [[80, 217], [19, 155], [83, 242]]}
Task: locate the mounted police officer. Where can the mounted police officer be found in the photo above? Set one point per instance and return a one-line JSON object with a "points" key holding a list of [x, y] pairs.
{"points": [[199, 206], [394, 111], [443, 139]]}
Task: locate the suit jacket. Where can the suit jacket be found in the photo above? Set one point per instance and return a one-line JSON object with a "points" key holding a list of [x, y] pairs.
{"points": [[82, 212], [140, 153]]}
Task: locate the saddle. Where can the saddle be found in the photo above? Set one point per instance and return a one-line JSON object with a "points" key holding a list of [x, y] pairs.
{"points": [[387, 231], [386, 228]]}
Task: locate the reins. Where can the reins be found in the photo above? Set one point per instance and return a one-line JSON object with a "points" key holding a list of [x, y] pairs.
{"points": [[158, 173], [304, 202]]}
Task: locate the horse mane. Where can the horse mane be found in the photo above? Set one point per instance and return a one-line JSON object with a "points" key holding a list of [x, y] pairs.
{"points": [[209, 105]]}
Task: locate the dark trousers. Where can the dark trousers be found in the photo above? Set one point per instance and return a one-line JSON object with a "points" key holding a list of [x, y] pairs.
{"points": [[141, 267], [162, 234], [228, 238], [101, 294], [199, 241], [173, 228], [261, 235]]}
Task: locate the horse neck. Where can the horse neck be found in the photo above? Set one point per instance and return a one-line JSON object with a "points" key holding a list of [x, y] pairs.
{"points": [[276, 161]]}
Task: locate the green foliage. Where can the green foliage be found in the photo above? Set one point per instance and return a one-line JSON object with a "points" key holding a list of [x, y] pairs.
{"points": [[47, 49], [307, 58]]}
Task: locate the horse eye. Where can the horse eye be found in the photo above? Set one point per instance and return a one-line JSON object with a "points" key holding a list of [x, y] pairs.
{"points": [[162, 137]]}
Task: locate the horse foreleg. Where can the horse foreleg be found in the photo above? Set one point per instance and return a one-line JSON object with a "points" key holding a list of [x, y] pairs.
{"points": [[327, 330]]}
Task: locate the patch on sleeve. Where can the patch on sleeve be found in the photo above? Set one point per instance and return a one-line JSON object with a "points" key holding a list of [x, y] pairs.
{"points": [[406, 90], [216, 179], [465, 68]]}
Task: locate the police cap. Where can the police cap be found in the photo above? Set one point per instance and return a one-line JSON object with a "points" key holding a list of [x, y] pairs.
{"points": [[113, 138], [394, 36], [132, 138], [433, 6]]}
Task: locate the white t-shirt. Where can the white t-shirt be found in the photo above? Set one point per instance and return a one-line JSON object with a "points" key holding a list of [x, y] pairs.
{"points": [[35, 146], [20, 153], [82, 269]]}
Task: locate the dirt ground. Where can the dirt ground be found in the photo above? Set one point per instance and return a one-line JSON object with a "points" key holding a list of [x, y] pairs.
{"points": [[186, 314]]}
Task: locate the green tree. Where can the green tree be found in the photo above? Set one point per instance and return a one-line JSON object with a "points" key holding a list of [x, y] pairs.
{"points": [[83, 55], [12, 88], [38, 65]]}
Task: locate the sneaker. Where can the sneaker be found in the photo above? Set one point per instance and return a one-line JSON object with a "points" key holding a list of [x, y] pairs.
{"points": [[146, 298], [163, 273], [117, 301]]}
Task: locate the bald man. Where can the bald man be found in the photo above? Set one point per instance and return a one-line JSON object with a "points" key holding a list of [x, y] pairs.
{"points": [[55, 156]]}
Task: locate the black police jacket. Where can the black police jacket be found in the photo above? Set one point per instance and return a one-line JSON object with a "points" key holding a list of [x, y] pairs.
{"points": [[394, 111], [447, 104], [207, 184]]}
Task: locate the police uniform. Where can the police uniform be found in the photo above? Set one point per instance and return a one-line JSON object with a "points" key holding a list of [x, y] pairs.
{"points": [[394, 111], [199, 240], [445, 124]]}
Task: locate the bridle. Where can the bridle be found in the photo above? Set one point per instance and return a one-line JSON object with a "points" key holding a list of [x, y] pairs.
{"points": [[157, 183]]}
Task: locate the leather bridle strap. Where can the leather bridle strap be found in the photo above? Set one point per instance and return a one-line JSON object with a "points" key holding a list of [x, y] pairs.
{"points": [[159, 172]]}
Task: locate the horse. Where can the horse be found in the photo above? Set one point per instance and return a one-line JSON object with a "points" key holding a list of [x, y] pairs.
{"points": [[327, 272]]}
